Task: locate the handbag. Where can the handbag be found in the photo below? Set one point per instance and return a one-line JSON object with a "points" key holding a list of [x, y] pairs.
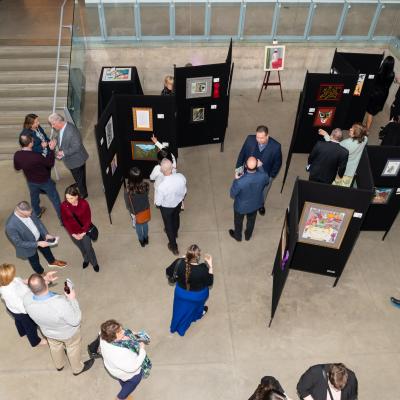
{"points": [[174, 277], [92, 232], [140, 217]]}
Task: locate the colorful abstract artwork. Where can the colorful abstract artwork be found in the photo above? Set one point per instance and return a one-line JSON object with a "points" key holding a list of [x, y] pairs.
{"points": [[198, 87], [274, 58], [330, 91], [324, 116], [116, 74], [391, 168], [324, 225], [142, 119], [145, 151], [382, 195]]}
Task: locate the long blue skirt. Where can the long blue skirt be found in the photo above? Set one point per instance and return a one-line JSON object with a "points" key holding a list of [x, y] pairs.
{"points": [[188, 308]]}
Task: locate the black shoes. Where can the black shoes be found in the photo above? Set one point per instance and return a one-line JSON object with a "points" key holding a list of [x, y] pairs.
{"points": [[174, 250], [395, 302], [85, 264], [96, 268], [86, 365], [146, 240], [261, 210], [205, 310], [60, 369], [142, 243], [232, 235], [247, 237]]}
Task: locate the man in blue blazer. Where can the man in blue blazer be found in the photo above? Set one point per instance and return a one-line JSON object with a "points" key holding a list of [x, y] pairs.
{"points": [[268, 153], [247, 192]]}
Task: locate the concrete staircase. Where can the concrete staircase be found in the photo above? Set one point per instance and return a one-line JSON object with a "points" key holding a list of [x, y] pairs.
{"points": [[27, 76]]}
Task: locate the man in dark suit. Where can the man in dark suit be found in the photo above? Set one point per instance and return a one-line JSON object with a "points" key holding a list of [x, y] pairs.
{"points": [[268, 153], [247, 191], [28, 234], [71, 150], [328, 159]]}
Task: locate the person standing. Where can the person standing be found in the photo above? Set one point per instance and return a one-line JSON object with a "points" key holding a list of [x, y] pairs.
{"points": [[40, 139], [71, 150], [191, 289], [168, 89], [59, 318], [37, 170], [247, 192], [77, 218], [268, 153], [124, 357], [169, 195], [328, 159], [28, 235]]}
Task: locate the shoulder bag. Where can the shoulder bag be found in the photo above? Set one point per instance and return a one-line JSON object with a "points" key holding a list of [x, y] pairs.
{"points": [[141, 217], [174, 278], [92, 232]]}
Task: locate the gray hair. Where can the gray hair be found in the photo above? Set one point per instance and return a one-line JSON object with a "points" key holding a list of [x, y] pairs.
{"points": [[37, 284], [56, 118], [337, 134], [166, 166], [24, 206]]}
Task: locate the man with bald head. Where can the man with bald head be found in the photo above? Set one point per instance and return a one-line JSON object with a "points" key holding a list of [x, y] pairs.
{"points": [[247, 192]]}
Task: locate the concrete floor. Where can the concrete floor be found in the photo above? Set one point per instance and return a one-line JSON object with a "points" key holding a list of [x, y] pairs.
{"points": [[224, 355]]}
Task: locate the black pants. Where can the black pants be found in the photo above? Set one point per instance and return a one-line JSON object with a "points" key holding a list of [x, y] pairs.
{"points": [[94, 347], [25, 326], [35, 262], [238, 221], [171, 220], [79, 175]]}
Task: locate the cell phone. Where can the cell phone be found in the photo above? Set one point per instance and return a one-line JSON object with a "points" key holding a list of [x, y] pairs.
{"points": [[52, 240], [239, 170], [68, 286]]}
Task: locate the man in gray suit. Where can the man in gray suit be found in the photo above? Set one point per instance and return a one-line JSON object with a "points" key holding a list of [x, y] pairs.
{"points": [[28, 234], [71, 150]]}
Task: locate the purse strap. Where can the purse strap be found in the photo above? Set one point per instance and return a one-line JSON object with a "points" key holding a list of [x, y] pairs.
{"points": [[130, 201], [75, 217], [327, 383]]}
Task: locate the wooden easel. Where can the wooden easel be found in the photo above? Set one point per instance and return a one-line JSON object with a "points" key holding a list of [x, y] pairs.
{"points": [[267, 83]]}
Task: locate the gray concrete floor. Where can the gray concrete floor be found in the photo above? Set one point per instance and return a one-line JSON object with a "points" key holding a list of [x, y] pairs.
{"points": [[224, 355]]}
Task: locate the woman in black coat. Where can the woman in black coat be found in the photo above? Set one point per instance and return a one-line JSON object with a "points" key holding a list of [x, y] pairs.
{"points": [[390, 134]]}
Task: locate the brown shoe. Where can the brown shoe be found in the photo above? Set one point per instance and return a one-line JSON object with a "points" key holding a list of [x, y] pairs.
{"points": [[57, 264]]}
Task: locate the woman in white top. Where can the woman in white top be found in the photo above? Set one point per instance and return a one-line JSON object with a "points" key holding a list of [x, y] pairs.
{"points": [[124, 357], [12, 290]]}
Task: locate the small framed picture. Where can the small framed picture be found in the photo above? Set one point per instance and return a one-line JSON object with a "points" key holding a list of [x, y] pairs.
{"points": [[144, 151], [109, 132], [324, 116], [142, 119], [274, 58], [382, 195], [197, 114], [391, 168], [330, 91], [198, 87]]}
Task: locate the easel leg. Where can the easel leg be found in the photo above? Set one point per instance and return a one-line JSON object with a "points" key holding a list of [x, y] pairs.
{"points": [[280, 85], [109, 216], [336, 281], [270, 322], [262, 86], [222, 147]]}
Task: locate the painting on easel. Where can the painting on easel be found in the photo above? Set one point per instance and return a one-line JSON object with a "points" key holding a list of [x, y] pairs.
{"points": [[274, 59]]}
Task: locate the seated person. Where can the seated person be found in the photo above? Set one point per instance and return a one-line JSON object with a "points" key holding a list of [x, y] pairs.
{"points": [[168, 86], [390, 134]]}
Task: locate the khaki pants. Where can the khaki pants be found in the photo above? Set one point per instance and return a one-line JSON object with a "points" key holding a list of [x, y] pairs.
{"points": [[72, 347]]}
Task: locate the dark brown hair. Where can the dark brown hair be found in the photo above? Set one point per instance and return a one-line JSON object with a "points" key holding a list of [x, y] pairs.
{"points": [[262, 128], [109, 329], [359, 132], [136, 183], [338, 375], [72, 190], [29, 120], [192, 255]]}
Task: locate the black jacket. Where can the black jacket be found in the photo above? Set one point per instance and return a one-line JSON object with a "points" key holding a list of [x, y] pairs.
{"points": [[313, 382], [391, 134], [327, 160]]}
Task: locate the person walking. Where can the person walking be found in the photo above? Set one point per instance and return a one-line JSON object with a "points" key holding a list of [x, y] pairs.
{"points": [[193, 279], [71, 150], [77, 218], [137, 202], [247, 192], [59, 318], [37, 171], [28, 235]]}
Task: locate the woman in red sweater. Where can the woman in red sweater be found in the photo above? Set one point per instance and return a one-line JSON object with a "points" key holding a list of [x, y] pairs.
{"points": [[76, 217]]}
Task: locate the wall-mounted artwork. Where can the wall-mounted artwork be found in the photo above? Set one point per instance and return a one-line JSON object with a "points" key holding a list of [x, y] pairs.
{"points": [[142, 119], [198, 87], [145, 151], [330, 91], [274, 58], [324, 225], [382, 195], [324, 116], [109, 132], [359, 85], [116, 74], [197, 114], [284, 243], [114, 164], [391, 168]]}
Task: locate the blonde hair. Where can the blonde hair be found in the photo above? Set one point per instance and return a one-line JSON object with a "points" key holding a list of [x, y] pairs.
{"points": [[168, 79], [7, 274]]}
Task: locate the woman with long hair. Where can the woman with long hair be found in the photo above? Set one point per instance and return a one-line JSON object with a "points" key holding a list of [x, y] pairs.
{"points": [[137, 202], [193, 279], [32, 128]]}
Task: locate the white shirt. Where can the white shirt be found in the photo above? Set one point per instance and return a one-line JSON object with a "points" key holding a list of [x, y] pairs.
{"points": [[13, 293], [171, 191], [335, 394], [60, 135], [30, 225]]}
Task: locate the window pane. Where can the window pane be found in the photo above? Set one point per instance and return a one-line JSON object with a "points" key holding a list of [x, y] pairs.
{"points": [[292, 19], [189, 19], [258, 19], [91, 24], [389, 21], [326, 19], [120, 20], [225, 19], [359, 19], [154, 19]]}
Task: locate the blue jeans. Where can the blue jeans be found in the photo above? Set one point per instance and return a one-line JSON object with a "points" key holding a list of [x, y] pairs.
{"points": [[50, 188], [127, 387], [142, 231]]}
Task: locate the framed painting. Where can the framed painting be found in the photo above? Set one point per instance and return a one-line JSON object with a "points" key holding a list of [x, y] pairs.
{"points": [[391, 168], [324, 225], [114, 164], [197, 114], [382, 195], [109, 132], [274, 58], [330, 91], [144, 151], [284, 242], [198, 87], [359, 85], [142, 119], [324, 116], [116, 74]]}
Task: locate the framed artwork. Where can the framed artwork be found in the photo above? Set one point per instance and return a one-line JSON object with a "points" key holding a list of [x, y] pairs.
{"points": [[324, 116], [274, 58], [198, 87], [114, 164], [382, 195], [324, 225], [144, 151], [330, 91], [284, 242], [109, 132], [391, 168], [142, 119], [197, 114], [116, 74], [359, 85]]}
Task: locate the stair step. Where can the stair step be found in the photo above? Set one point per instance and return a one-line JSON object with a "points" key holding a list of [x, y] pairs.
{"points": [[33, 52], [32, 76], [8, 131], [32, 89], [25, 64], [30, 103], [17, 117]]}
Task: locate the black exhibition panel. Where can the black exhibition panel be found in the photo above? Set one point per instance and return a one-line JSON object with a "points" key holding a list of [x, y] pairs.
{"points": [[380, 217], [110, 154], [107, 88], [363, 178]]}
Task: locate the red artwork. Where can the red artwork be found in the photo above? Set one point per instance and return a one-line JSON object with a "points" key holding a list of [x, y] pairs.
{"points": [[324, 116], [216, 90], [330, 91]]}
